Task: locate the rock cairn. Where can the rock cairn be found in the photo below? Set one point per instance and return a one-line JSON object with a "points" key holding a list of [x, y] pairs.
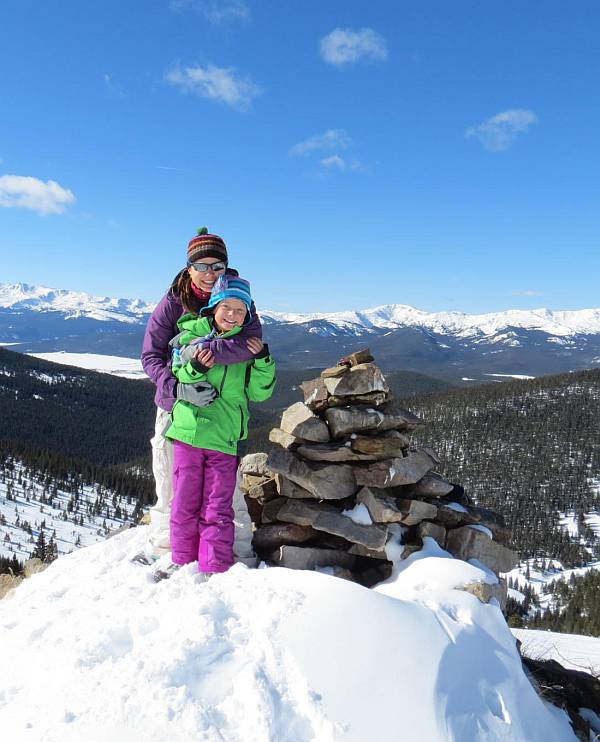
{"points": [[344, 486]]}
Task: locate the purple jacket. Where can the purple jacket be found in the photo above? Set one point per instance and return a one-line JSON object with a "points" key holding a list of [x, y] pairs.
{"points": [[162, 327]]}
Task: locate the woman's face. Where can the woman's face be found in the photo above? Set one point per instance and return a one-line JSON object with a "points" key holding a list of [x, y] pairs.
{"points": [[230, 313], [206, 280]]}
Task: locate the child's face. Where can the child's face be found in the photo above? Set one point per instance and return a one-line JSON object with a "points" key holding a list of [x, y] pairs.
{"points": [[230, 313]]}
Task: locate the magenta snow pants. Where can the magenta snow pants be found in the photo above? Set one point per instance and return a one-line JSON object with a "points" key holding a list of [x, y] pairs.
{"points": [[202, 509]]}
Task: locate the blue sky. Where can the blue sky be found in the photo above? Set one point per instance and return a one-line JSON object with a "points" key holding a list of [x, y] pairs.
{"points": [[443, 155]]}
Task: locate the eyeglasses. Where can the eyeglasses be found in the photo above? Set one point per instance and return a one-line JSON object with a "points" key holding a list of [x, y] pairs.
{"points": [[205, 267]]}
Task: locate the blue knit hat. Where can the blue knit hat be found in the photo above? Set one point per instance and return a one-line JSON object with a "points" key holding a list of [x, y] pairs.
{"points": [[228, 287]]}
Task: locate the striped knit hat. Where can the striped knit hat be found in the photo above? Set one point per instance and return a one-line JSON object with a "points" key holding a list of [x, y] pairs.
{"points": [[205, 245], [228, 287]]}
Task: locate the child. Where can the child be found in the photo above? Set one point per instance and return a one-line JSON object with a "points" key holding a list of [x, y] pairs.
{"points": [[206, 438]]}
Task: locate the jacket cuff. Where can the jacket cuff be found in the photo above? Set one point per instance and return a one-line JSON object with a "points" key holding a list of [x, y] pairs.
{"points": [[197, 366], [264, 353]]}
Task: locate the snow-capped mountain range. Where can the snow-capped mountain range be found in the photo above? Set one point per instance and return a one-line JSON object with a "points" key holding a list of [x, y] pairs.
{"points": [[451, 344], [22, 297]]}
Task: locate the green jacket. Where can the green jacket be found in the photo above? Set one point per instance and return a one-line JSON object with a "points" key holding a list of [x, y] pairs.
{"points": [[224, 422]]}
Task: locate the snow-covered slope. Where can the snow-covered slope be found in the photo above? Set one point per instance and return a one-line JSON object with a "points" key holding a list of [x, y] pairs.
{"points": [[97, 651], [128, 368], [22, 297], [454, 344], [572, 651], [394, 316]]}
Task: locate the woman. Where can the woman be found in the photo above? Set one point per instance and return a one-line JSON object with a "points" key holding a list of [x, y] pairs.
{"points": [[207, 259], [206, 438]]}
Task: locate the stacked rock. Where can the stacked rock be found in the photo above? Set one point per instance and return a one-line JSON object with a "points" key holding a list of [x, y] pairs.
{"points": [[344, 486]]}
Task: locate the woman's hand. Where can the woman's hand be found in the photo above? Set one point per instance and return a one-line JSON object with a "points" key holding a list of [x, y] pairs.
{"points": [[255, 345], [205, 357]]}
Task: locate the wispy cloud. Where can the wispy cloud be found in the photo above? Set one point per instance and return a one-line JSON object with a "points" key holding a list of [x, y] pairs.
{"points": [[111, 87], [499, 132], [24, 192], [331, 139], [344, 45], [336, 162], [222, 84], [527, 292], [174, 169], [217, 12]]}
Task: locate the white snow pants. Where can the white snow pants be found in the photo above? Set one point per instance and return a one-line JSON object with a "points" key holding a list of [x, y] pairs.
{"points": [[162, 468]]}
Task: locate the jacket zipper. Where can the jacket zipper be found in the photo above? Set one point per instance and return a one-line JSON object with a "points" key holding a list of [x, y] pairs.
{"points": [[223, 380]]}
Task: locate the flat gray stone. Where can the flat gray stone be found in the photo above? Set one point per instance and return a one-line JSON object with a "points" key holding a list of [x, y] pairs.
{"points": [[345, 420], [323, 481], [359, 550], [380, 447], [331, 452], [315, 393], [395, 472], [361, 379], [267, 538], [451, 518], [431, 485], [372, 399], [287, 488], [468, 543], [360, 356], [384, 508], [323, 518], [271, 509], [335, 371], [470, 515], [301, 422], [309, 557], [432, 530]]}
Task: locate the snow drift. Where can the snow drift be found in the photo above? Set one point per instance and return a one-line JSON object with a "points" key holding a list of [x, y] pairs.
{"points": [[93, 649]]}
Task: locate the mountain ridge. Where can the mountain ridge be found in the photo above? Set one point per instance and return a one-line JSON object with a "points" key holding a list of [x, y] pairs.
{"points": [[19, 296], [455, 346]]}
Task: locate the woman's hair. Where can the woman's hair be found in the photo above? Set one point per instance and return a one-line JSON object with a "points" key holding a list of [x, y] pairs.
{"points": [[182, 286]]}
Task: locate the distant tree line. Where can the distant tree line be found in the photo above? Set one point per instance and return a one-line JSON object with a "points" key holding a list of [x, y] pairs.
{"points": [[529, 449]]}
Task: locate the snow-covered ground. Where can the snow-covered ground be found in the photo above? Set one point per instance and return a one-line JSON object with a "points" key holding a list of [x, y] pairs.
{"points": [[539, 579], [98, 651], [571, 650], [21, 496], [130, 368]]}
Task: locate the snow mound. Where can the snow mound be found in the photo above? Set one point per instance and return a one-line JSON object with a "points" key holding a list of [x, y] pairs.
{"points": [[93, 649]]}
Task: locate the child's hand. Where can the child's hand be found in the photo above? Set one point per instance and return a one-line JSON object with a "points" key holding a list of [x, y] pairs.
{"points": [[255, 345], [205, 357]]}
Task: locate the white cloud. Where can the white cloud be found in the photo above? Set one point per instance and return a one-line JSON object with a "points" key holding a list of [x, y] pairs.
{"points": [[499, 132], [217, 83], [215, 11], [344, 45], [331, 139], [335, 161], [528, 292], [23, 192]]}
